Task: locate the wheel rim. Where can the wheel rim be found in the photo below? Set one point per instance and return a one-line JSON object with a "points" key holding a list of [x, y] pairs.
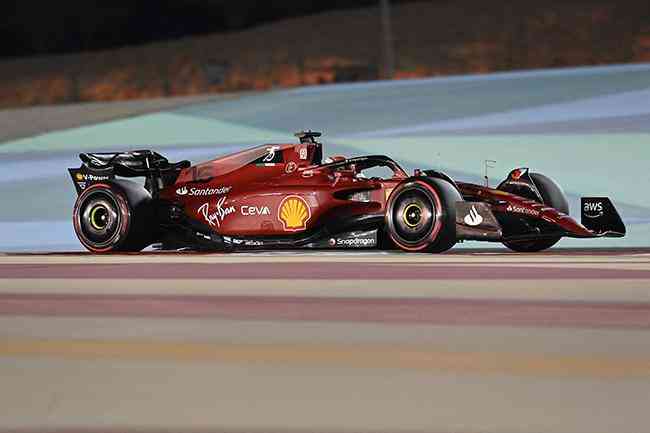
{"points": [[414, 216], [99, 219]]}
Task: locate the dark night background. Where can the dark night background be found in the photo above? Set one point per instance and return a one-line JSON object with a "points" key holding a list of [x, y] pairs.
{"points": [[75, 51], [38, 27]]}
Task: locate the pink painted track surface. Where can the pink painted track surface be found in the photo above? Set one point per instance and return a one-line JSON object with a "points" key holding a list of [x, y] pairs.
{"points": [[393, 311], [326, 342], [321, 271]]}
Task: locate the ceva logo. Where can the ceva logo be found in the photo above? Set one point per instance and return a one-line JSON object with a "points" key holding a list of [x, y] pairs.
{"points": [[182, 190]]}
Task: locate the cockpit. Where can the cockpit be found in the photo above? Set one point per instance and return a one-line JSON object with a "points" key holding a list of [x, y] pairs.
{"points": [[360, 167]]}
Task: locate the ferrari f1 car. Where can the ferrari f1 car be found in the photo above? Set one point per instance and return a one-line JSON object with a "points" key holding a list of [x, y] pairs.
{"points": [[286, 196]]}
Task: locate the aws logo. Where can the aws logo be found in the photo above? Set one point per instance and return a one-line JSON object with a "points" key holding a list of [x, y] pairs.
{"points": [[294, 212], [593, 209]]}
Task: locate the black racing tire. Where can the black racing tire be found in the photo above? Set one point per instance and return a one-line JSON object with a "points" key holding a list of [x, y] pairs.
{"points": [[115, 216], [421, 215], [553, 196]]}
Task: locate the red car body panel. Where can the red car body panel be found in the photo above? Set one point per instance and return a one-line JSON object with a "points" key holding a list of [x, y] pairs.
{"points": [[504, 202], [236, 196]]}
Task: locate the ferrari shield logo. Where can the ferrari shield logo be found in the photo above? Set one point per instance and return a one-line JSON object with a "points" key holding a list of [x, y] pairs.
{"points": [[294, 213]]}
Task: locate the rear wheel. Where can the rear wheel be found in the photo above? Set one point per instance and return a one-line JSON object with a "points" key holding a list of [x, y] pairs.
{"points": [[421, 215], [553, 196], [113, 217]]}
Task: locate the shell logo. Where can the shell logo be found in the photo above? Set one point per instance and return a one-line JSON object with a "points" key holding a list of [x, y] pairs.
{"points": [[294, 213]]}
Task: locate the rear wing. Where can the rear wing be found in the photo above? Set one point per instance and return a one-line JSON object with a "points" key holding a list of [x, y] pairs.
{"points": [[102, 167]]}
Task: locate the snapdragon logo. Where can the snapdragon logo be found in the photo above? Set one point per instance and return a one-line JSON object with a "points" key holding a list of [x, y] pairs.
{"points": [[353, 242]]}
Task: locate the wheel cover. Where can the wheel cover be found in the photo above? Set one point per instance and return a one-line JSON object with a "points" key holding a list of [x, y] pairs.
{"points": [[99, 219], [413, 216], [100, 216]]}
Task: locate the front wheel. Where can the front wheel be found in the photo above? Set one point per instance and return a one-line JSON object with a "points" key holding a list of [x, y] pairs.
{"points": [[421, 215], [553, 196]]}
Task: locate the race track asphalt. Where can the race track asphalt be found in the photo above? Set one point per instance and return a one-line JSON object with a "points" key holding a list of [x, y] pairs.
{"points": [[472, 341]]}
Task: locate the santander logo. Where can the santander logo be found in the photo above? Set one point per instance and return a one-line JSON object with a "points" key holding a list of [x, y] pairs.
{"points": [[203, 192], [473, 218]]}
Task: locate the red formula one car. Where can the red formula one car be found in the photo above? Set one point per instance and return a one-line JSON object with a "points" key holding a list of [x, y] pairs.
{"points": [[285, 196]]}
